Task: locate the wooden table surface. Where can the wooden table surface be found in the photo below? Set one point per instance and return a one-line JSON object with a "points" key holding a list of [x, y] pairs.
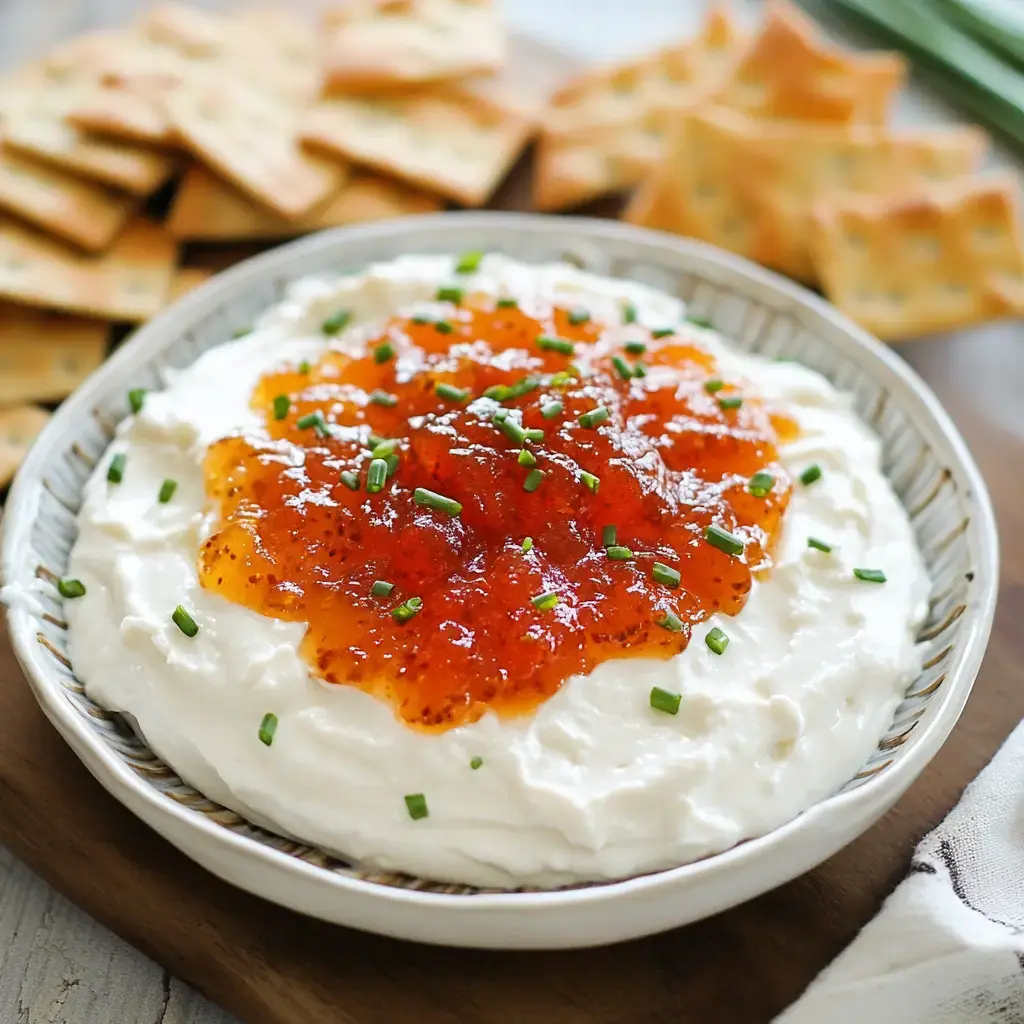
{"points": [[58, 965]]}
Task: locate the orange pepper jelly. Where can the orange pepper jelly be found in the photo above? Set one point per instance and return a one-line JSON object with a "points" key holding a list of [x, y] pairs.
{"points": [[547, 493]]}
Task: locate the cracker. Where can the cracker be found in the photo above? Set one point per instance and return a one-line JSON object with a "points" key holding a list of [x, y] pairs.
{"points": [[750, 186], [251, 138], [69, 207], [19, 427], [789, 72], [374, 44], [130, 281], [206, 208], [45, 356], [947, 258], [187, 279], [456, 143]]}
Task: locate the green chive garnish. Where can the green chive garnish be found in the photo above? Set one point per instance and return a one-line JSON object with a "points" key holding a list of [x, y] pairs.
{"points": [[819, 545], [267, 728], [535, 434], [591, 482], [622, 368], [716, 640], [336, 321], [443, 327], [665, 700], [594, 417], [544, 602], [383, 398], [167, 489], [422, 319], [282, 403], [476, 763], [760, 484], [562, 379], [527, 544], [350, 479], [526, 458], [629, 313], [392, 461], [241, 332], [384, 447], [304, 366], [450, 393], [500, 416], [639, 370], [438, 502], [512, 429], [416, 805], [617, 553], [376, 475], [549, 410], [870, 575], [405, 611], [609, 535], [383, 352], [449, 295], [523, 386], [549, 344], [381, 588], [184, 621], [533, 479], [115, 471], [71, 588], [662, 332], [577, 317], [701, 321], [313, 421], [810, 474], [665, 574], [468, 262], [723, 540], [671, 622], [507, 304], [636, 348], [731, 402], [713, 386], [136, 398]]}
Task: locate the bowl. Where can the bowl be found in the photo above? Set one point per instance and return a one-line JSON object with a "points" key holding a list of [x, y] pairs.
{"points": [[924, 458]]}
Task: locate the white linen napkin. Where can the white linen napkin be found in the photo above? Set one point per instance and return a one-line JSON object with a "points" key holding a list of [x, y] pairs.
{"points": [[947, 947]]}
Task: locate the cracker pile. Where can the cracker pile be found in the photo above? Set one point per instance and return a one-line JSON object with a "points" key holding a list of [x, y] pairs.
{"points": [[778, 147]]}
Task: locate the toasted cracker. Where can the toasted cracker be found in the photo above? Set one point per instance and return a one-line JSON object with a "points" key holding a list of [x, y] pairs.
{"points": [[375, 44], [207, 208], [130, 281], [45, 356], [750, 186], [69, 207], [789, 72], [455, 143], [949, 257], [187, 279], [19, 427]]}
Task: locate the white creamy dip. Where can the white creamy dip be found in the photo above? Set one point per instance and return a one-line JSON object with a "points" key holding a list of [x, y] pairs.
{"points": [[596, 784]]}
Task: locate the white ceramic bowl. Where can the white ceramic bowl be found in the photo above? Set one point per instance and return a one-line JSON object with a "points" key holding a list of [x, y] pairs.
{"points": [[925, 459]]}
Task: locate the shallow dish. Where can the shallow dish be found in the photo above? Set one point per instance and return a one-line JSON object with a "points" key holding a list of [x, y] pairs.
{"points": [[925, 460]]}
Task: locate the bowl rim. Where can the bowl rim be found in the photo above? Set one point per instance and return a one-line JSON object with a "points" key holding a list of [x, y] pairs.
{"points": [[877, 792]]}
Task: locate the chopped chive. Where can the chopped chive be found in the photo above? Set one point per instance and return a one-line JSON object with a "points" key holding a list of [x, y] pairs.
{"points": [[438, 502], [636, 348], [443, 327], [550, 344], [449, 295], [350, 479], [241, 332], [662, 332], [115, 471], [384, 447], [595, 416], [136, 398], [267, 728], [535, 434], [723, 540], [416, 805], [405, 611], [544, 602], [282, 403], [304, 366], [609, 535], [373, 440], [730, 402], [450, 393], [393, 462], [376, 475], [184, 621], [617, 553], [629, 313], [533, 479], [622, 368], [71, 588], [313, 421], [701, 321], [810, 474], [512, 429], [671, 622], [716, 640], [381, 588], [500, 416], [665, 574], [549, 410], [526, 458], [562, 379], [383, 352], [421, 319], [468, 262], [166, 492], [336, 322], [379, 397], [760, 484], [527, 544], [476, 763], [870, 575], [714, 385], [819, 545], [665, 700], [639, 370], [591, 482], [507, 304], [523, 386], [577, 317]]}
